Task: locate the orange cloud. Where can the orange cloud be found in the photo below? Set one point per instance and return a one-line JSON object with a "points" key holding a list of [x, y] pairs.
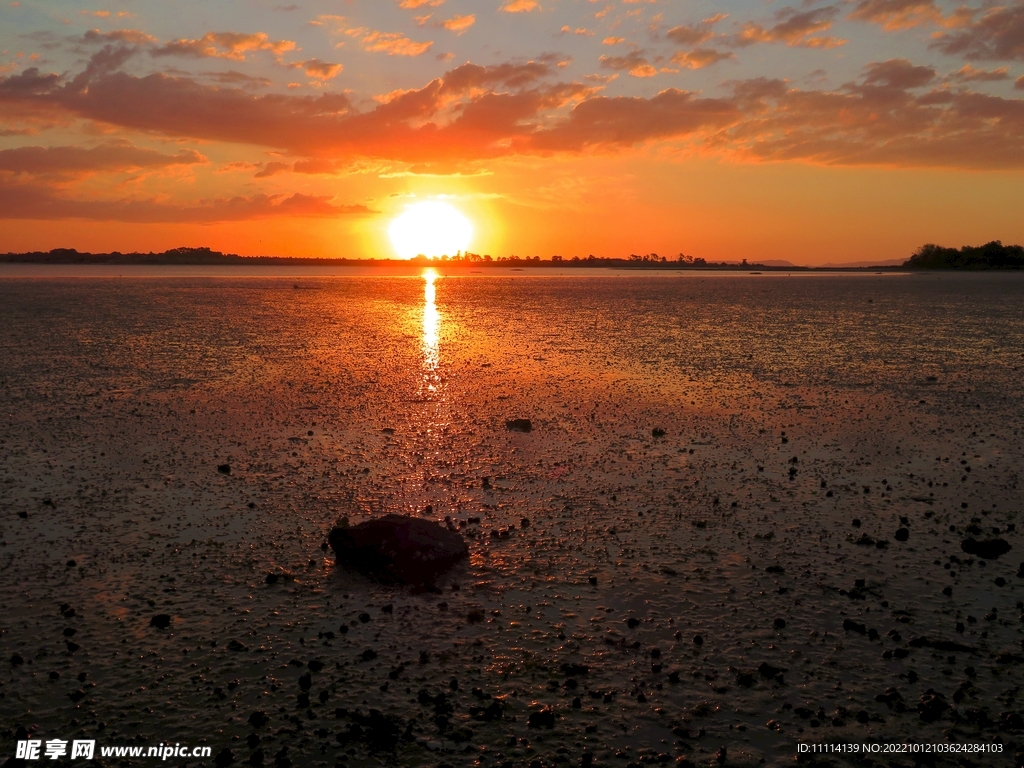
{"points": [[224, 45], [520, 6], [893, 15], [969, 74], [459, 24], [391, 43], [419, 3], [889, 116], [322, 70]]}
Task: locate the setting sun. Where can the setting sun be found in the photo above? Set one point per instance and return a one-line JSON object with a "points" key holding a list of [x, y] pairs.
{"points": [[430, 228]]}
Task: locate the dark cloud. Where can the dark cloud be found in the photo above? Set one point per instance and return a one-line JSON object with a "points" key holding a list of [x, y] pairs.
{"points": [[898, 73], [998, 34], [699, 58], [35, 201], [795, 28], [118, 156], [896, 14], [633, 62]]}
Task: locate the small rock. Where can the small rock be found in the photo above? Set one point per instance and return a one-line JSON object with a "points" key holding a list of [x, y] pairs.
{"points": [[657, 432], [902, 534], [698, 640], [71, 563], [224, 469], [16, 660], [519, 425], [780, 624], [224, 758], [160, 621]]}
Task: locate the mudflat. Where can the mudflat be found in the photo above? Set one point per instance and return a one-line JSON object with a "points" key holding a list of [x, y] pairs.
{"points": [[741, 519]]}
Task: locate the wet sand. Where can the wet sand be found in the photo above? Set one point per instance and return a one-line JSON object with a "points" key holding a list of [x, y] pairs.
{"points": [[806, 420]]}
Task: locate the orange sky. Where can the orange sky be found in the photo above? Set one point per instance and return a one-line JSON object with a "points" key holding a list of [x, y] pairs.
{"points": [[812, 133]]}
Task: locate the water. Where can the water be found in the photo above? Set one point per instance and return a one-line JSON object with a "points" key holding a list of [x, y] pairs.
{"points": [[122, 396]]}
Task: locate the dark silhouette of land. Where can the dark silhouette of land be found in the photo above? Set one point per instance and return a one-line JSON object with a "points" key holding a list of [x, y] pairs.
{"points": [[992, 255]]}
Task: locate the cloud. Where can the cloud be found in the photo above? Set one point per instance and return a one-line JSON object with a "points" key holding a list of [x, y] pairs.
{"points": [[322, 70], [794, 28], [633, 62], [969, 74], [997, 35], [459, 24], [391, 43], [699, 58], [520, 6], [224, 45], [419, 3], [71, 160], [689, 35], [130, 36], [1019, 83], [613, 40], [895, 114], [34, 201], [624, 121], [897, 73], [894, 15]]}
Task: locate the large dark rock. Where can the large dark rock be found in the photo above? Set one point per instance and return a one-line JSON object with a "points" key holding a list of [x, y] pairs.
{"points": [[398, 548], [987, 549]]}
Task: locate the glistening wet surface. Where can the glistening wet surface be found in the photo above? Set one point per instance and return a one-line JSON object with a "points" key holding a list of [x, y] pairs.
{"points": [[734, 580]]}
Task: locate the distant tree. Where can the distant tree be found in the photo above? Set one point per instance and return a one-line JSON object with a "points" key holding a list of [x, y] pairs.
{"points": [[993, 255], [556, 257]]}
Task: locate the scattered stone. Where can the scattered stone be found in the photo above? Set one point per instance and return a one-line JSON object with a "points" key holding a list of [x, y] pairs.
{"points": [[854, 626], [398, 548], [941, 645], [657, 432], [258, 719], [902, 534], [519, 425], [544, 718], [160, 621], [932, 705], [234, 645], [780, 624], [698, 640], [224, 758], [16, 660], [224, 469], [71, 563]]}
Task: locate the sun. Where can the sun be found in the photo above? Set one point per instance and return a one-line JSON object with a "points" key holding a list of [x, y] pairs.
{"points": [[431, 229]]}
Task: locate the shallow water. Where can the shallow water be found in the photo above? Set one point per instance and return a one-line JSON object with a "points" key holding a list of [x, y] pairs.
{"points": [[898, 394]]}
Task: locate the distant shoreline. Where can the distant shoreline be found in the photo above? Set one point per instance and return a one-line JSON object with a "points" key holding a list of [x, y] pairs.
{"points": [[205, 257], [989, 257]]}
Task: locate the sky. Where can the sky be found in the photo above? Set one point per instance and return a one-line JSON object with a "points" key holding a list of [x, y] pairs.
{"points": [[806, 131]]}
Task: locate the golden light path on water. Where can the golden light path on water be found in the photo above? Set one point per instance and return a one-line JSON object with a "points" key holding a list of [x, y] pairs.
{"points": [[431, 334]]}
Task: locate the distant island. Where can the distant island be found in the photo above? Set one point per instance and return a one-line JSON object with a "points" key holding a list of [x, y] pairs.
{"points": [[992, 255]]}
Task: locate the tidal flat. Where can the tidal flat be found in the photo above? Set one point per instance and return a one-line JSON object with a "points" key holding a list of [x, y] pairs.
{"points": [[736, 525]]}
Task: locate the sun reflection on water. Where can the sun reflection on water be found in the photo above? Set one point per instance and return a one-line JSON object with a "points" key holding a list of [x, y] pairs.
{"points": [[431, 329]]}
